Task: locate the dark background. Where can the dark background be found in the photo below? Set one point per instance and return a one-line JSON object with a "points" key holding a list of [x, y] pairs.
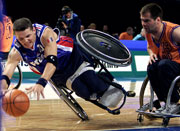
{"points": [[117, 14]]}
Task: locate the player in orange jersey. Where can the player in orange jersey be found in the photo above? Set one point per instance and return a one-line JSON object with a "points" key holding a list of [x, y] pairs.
{"points": [[6, 34], [164, 49]]}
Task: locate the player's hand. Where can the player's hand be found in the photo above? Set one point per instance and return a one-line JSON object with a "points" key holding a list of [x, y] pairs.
{"points": [[153, 58], [36, 89]]}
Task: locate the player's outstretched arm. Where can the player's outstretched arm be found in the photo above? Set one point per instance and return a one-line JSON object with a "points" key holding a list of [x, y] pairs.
{"points": [[12, 61]]}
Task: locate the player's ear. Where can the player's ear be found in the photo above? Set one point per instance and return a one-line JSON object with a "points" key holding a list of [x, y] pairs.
{"points": [[158, 19]]}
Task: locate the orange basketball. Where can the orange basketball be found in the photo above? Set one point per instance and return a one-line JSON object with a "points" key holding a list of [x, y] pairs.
{"points": [[15, 103]]}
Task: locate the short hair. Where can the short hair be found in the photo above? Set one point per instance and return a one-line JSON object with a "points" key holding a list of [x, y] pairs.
{"points": [[154, 9], [22, 24]]}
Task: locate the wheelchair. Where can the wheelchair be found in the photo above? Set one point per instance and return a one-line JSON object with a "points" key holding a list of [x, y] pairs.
{"points": [[152, 103], [101, 48]]}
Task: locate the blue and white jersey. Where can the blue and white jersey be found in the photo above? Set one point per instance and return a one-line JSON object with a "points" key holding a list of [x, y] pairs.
{"points": [[35, 57]]}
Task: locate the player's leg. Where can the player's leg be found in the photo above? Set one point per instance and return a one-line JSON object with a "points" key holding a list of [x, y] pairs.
{"points": [[106, 94], [152, 71], [167, 72]]}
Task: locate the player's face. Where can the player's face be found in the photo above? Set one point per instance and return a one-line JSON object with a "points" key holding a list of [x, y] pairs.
{"points": [[26, 37], [148, 23]]}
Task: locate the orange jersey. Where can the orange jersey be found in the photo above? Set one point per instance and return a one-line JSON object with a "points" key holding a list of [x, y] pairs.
{"points": [[6, 34], [125, 36], [166, 48]]}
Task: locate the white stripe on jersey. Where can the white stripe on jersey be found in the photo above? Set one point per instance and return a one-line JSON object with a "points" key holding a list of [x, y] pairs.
{"points": [[64, 48]]}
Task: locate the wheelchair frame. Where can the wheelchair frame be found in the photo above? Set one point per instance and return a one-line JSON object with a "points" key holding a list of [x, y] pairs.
{"points": [[66, 95], [165, 118]]}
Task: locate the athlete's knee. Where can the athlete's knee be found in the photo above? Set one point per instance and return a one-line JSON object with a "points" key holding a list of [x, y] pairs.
{"points": [[164, 64], [152, 68]]}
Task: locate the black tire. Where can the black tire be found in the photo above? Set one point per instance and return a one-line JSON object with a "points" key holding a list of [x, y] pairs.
{"points": [[141, 96], [104, 47], [19, 79], [72, 103]]}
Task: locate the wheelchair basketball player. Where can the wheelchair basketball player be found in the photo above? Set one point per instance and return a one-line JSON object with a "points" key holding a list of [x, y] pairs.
{"points": [[163, 47], [57, 58]]}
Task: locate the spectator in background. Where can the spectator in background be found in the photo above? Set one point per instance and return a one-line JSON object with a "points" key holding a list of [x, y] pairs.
{"points": [[105, 29], [6, 34], [128, 35], [69, 22], [82, 28], [140, 36], [92, 26]]}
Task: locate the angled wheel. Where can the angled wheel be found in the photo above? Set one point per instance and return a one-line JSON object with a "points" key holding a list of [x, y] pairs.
{"points": [[17, 77], [70, 101], [141, 96], [104, 47], [73, 104]]}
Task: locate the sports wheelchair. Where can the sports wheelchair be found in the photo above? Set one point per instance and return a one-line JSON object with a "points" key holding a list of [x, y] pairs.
{"points": [[102, 48], [148, 113]]}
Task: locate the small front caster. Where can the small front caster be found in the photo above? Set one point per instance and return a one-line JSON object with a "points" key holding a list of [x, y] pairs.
{"points": [[165, 121], [140, 118]]}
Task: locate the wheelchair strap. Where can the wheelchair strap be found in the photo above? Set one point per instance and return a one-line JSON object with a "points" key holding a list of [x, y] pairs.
{"points": [[82, 68]]}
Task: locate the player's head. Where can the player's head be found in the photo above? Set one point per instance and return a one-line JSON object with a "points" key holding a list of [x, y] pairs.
{"points": [[22, 24], [24, 31], [154, 9], [151, 16]]}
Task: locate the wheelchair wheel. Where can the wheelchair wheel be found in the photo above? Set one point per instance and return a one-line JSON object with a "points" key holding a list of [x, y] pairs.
{"points": [[141, 96], [17, 78], [104, 47], [66, 96]]}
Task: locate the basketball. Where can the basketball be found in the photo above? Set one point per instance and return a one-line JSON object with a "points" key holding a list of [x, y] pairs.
{"points": [[15, 103]]}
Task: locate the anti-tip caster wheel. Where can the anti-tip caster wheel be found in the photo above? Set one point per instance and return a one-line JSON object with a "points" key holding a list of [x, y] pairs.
{"points": [[165, 122], [140, 118]]}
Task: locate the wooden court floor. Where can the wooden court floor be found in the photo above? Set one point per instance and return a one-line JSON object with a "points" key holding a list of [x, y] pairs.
{"points": [[55, 115]]}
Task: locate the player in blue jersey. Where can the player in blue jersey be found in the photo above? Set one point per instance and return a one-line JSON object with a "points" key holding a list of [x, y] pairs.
{"points": [[56, 58]]}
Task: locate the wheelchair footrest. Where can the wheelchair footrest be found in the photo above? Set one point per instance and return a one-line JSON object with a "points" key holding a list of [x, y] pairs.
{"points": [[114, 112], [131, 94]]}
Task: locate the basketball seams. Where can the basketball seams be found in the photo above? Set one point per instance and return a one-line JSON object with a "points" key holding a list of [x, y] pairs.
{"points": [[19, 109], [11, 103]]}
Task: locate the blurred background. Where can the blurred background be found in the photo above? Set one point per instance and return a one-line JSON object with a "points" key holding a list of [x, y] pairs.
{"points": [[118, 15]]}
